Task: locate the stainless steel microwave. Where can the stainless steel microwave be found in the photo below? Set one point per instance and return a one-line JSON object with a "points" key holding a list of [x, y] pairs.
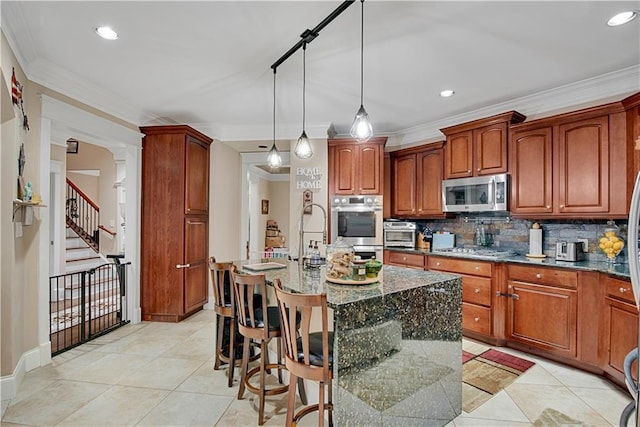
{"points": [[478, 194]]}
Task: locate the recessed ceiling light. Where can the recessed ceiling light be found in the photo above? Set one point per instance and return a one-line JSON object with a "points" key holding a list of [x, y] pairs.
{"points": [[447, 93], [622, 18], [107, 33]]}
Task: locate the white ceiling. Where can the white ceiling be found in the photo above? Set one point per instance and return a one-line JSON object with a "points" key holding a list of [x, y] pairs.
{"points": [[207, 63]]}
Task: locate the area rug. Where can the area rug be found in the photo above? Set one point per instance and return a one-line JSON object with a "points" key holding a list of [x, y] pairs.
{"points": [[485, 374]]}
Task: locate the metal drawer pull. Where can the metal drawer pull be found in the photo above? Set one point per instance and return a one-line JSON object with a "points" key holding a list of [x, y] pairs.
{"points": [[514, 296], [477, 268], [538, 276], [623, 290], [477, 290], [183, 265], [477, 319]]}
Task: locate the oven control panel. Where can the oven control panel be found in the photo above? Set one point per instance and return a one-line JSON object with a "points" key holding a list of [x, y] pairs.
{"points": [[357, 201]]}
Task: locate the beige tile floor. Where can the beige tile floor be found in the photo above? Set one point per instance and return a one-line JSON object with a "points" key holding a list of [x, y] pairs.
{"points": [[161, 374]]}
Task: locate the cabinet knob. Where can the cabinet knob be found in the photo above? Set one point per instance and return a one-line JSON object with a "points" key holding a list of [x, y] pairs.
{"points": [[404, 258], [469, 171], [476, 319], [623, 290], [561, 206], [538, 276], [548, 207], [476, 290], [183, 265], [438, 263], [477, 267], [510, 287], [478, 169]]}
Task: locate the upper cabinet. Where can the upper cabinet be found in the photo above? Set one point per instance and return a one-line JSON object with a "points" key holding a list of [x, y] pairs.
{"points": [[356, 167], [416, 181], [571, 165], [478, 147]]}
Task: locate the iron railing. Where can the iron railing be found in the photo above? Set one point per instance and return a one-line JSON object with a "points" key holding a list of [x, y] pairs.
{"points": [[83, 215], [86, 304]]}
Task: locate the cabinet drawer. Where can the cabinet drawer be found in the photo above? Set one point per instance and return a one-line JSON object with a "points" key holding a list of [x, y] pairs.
{"points": [[476, 290], [476, 318], [620, 289], [461, 266], [547, 276], [410, 260]]}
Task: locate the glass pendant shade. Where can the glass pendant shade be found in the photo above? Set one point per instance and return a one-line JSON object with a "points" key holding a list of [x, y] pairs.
{"points": [[361, 128], [303, 147], [273, 158]]}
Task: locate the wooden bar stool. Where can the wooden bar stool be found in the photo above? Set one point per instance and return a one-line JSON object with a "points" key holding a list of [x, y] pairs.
{"points": [[260, 324], [309, 355], [224, 306]]}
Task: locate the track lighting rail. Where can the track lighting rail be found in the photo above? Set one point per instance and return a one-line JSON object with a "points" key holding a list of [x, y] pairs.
{"points": [[309, 35]]}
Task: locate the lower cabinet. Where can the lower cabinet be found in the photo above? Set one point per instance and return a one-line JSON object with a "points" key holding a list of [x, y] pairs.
{"points": [[619, 327], [477, 313], [404, 259], [542, 308]]}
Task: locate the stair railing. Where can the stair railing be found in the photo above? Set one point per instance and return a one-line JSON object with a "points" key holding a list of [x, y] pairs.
{"points": [[82, 215]]}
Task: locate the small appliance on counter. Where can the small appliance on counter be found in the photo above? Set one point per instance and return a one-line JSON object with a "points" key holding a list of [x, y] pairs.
{"points": [[399, 234], [570, 251]]}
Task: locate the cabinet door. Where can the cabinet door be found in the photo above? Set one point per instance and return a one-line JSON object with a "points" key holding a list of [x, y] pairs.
{"points": [[531, 171], [429, 183], [543, 317], [345, 157], [196, 177], [404, 185], [620, 334], [195, 263], [583, 166], [459, 155], [490, 144], [368, 161]]}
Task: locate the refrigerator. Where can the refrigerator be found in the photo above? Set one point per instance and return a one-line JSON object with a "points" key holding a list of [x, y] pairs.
{"points": [[632, 412]]}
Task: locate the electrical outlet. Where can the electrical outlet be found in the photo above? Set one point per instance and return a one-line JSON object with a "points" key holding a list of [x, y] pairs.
{"points": [[585, 244]]}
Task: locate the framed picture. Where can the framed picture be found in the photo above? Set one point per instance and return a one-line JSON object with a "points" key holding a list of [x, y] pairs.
{"points": [[307, 199], [72, 146], [265, 207]]}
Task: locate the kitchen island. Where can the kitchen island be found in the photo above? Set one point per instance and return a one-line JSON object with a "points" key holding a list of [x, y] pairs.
{"points": [[397, 344]]}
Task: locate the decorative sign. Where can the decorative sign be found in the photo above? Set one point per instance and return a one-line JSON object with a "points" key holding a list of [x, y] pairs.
{"points": [[309, 178]]}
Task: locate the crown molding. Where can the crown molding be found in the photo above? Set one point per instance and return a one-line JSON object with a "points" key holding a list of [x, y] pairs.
{"points": [[589, 92], [12, 13], [248, 132]]}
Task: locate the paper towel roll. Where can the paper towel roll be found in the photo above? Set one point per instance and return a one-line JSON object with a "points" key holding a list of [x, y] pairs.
{"points": [[535, 241]]}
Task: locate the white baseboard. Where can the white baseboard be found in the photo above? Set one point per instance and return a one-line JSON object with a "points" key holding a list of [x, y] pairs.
{"points": [[30, 360]]}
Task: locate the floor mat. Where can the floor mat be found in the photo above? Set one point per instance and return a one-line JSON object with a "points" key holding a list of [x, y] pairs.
{"points": [[486, 374]]}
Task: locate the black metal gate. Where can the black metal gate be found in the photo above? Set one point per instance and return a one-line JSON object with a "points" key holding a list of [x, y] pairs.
{"points": [[86, 304]]}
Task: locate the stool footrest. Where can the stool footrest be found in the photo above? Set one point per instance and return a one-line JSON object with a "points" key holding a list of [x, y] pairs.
{"points": [[309, 409], [267, 392]]}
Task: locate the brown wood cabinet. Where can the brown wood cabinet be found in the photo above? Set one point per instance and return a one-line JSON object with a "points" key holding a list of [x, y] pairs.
{"points": [[477, 291], [542, 308], [356, 167], [632, 107], [619, 331], [404, 259], [174, 232], [416, 180], [478, 147], [571, 165]]}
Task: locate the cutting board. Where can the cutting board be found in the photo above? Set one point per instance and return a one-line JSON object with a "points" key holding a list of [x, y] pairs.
{"points": [[443, 241]]}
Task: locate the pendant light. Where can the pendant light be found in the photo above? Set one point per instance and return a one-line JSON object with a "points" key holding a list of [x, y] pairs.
{"points": [[361, 128], [273, 158], [303, 146]]}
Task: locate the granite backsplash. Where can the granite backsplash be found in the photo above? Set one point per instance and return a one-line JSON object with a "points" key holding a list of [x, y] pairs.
{"points": [[508, 233]]}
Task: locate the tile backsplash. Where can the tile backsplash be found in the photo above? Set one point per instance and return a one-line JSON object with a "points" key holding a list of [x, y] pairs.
{"points": [[513, 234]]}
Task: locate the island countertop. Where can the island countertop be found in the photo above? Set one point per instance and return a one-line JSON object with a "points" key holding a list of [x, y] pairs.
{"points": [[397, 344], [392, 280]]}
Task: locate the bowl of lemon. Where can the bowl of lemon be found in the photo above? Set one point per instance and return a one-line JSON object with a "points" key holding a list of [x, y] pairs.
{"points": [[611, 244]]}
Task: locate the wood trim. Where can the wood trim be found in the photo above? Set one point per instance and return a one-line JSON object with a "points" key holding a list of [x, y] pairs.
{"points": [[375, 140], [176, 129], [417, 149], [573, 116], [511, 117]]}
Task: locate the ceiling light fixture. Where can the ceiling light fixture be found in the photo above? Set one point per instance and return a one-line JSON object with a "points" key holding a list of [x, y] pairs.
{"points": [[303, 146], [107, 33], [361, 128], [622, 18], [273, 158], [447, 93]]}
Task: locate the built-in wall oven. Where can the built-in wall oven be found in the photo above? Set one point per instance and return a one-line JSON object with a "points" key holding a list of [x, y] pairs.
{"points": [[358, 219]]}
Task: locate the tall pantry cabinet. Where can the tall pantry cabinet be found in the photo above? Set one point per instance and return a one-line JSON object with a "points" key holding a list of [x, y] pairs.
{"points": [[175, 215]]}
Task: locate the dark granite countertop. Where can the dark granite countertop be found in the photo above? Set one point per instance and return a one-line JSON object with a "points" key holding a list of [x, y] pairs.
{"points": [[621, 270], [392, 280]]}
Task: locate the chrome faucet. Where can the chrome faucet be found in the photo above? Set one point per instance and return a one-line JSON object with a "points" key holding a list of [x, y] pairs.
{"points": [[302, 232]]}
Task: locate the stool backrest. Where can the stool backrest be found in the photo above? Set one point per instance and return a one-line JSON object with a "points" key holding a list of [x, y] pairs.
{"points": [[289, 304], [222, 291], [249, 314]]}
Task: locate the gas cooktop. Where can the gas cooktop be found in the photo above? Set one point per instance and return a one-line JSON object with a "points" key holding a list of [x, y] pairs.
{"points": [[477, 252]]}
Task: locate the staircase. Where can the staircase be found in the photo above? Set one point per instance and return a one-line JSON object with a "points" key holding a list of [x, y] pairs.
{"points": [[79, 255]]}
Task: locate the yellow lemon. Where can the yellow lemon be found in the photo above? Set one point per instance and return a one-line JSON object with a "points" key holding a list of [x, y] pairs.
{"points": [[610, 233], [618, 245], [608, 244], [602, 246], [603, 240], [614, 239]]}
